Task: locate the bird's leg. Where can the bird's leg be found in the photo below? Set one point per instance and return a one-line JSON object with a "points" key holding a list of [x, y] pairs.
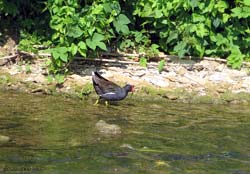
{"points": [[97, 101]]}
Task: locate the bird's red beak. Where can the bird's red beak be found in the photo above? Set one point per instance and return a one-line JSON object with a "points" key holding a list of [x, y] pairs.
{"points": [[133, 88]]}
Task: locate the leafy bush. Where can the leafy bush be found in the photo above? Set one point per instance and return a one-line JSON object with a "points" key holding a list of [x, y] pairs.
{"points": [[217, 28], [200, 28], [82, 29]]}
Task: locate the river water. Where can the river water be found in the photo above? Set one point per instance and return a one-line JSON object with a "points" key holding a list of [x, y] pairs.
{"points": [[51, 135]]}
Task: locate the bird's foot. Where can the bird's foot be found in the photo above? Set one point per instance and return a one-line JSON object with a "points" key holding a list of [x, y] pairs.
{"points": [[106, 103], [97, 102]]}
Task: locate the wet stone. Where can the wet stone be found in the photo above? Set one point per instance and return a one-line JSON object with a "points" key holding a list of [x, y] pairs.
{"points": [[107, 129], [4, 139]]}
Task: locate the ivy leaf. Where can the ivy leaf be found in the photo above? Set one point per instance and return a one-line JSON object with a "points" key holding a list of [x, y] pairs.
{"points": [[241, 12], [59, 78], [121, 24], [107, 8], [200, 48], [143, 62], [220, 40], [161, 65], [193, 3], [235, 59], [55, 54], [198, 18], [102, 45], [180, 49], [75, 31], [64, 57], [216, 22], [221, 6], [95, 41], [82, 48], [138, 37], [246, 2], [73, 49], [225, 17], [201, 30], [60, 53], [158, 13], [172, 35]]}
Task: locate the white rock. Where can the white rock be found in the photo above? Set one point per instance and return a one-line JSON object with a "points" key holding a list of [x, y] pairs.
{"points": [[246, 82], [161, 82], [181, 70], [220, 77]]}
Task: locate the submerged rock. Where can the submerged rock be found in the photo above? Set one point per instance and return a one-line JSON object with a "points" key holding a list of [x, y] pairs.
{"points": [[4, 139], [107, 129], [127, 146]]}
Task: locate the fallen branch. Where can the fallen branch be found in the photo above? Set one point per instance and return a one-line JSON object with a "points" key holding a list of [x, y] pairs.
{"points": [[168, 57], [27, 53], [107, 60], [9, 57]]}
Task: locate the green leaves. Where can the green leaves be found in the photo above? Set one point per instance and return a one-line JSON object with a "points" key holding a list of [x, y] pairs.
{"points": [[199, 28], [221, 6], [77, 29], [82, 48], [180, 49], [74, 31], [173, 35], [60, 53], [161, 65], [241, 12], [96, 41], [235, 59], [121, 24], [143, 62]]}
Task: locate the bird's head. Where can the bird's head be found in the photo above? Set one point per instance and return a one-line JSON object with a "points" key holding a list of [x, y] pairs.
{"points": [[129, 88]]}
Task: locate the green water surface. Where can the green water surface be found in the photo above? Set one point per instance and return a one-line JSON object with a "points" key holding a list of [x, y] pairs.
{"points": [[51, 135]]}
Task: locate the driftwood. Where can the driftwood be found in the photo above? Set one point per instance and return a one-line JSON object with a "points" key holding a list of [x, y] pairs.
{"points": [[7, 59]]}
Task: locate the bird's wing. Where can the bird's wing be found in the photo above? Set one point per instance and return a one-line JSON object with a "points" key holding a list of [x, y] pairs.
{"points": [[103, 85]]}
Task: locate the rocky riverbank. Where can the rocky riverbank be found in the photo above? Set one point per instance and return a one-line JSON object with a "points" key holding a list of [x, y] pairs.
{"points": [[181, 80]]}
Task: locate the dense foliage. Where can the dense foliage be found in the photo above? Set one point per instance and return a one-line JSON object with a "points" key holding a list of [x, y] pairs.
{"points": [[218, 28]]}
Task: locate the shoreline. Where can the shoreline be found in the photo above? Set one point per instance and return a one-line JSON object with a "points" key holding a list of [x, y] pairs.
{"points": [[186, 81]]}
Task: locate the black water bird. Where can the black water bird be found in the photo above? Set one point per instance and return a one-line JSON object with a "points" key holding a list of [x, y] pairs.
{"points": [[109, 91]]}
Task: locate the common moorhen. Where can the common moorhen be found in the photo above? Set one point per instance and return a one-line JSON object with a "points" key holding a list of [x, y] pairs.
{"points": [[109, 91]]}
